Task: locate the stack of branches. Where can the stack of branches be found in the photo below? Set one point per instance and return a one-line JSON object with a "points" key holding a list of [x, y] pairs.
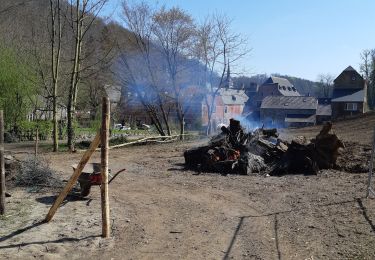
{"points": [[36, 174], [262, 152], [235, 151]]}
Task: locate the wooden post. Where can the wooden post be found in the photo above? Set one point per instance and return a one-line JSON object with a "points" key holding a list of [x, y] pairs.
{"points": [[371, 167], [85, 158], [36, 142], [2, 168], [104, 166]]}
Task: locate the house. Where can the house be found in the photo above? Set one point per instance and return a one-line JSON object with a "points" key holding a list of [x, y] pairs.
{"points": [[273, 86], [276, 86], [229, 103], [285, 111], [349, 96]]}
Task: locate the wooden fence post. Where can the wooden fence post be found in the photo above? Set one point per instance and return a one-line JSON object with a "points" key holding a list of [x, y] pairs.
{"points": [[371, 168], [104, 167], [2, 167], [36, 142], [85, 158]]}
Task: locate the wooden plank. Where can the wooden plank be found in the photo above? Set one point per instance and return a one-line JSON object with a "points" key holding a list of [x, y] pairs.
{"points": [[73, 179], [2, 167], [149, 139], [104, 165], [371, 166]]}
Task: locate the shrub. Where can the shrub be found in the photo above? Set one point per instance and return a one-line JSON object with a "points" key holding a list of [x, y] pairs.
{"points": [[27, 130]]}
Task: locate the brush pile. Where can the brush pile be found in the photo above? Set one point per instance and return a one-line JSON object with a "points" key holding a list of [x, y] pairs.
{"points": [[263, 152], [36, 174]]}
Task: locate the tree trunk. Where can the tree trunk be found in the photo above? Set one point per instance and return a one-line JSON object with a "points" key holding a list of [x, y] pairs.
{"points": [[55, 123], [182, 127], [165, 119], [70, 130], [55, 56], [2, 168], [210, 111], [104, 167], [74, 78]]}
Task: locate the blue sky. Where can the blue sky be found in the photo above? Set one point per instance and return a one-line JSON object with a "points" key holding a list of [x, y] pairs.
{"points": [[301, 38]]}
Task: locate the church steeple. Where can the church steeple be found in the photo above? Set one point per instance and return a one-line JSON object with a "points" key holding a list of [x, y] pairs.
{"points": [[229, 82]]}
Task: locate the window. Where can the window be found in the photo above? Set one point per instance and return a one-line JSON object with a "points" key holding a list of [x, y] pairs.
{"points": [[351, 107]]}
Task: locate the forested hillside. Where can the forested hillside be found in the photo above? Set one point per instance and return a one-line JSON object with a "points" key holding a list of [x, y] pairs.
{"points": [[55, 57]]}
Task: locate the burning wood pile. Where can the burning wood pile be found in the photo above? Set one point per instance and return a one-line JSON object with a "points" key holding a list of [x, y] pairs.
{"points": [[263, 152]]}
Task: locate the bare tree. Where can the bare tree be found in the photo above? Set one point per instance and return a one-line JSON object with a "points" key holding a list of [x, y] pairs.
{"points": [[325, 84], [367, 67], [138, 19], [367, 56], [174, 30], [371, 84], [56, 38], [216, 44], [82, 16]]}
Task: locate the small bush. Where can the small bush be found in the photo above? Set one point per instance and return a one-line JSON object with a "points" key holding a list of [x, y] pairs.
{"points": [[27, 130], [85, 144], [10, 137], [118, 140]]}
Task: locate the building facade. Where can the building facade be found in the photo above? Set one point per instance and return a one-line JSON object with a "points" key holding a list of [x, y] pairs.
{"points": [[229, 103], [273, 86], [286, 111], [349, 96]]}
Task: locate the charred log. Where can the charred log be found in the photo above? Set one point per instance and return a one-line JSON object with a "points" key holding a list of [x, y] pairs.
{"points": [[262, 152]]}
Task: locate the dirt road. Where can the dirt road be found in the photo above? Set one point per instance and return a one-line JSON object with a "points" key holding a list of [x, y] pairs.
{"points": [[161, 211]]}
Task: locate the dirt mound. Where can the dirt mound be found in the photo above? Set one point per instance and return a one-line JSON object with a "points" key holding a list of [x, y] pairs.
{"points": [[355, 158]]}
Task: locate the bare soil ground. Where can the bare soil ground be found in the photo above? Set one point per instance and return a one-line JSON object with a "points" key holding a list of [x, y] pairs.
{"points": [[159, 210]]}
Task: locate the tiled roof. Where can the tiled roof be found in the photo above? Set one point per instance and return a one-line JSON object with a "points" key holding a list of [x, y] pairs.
{"points": [[343, 92], [283, 102], [289, 91], [278, 80], [233, 96], [350, 68], [324, 110], [358, 96], [284, 86]]}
